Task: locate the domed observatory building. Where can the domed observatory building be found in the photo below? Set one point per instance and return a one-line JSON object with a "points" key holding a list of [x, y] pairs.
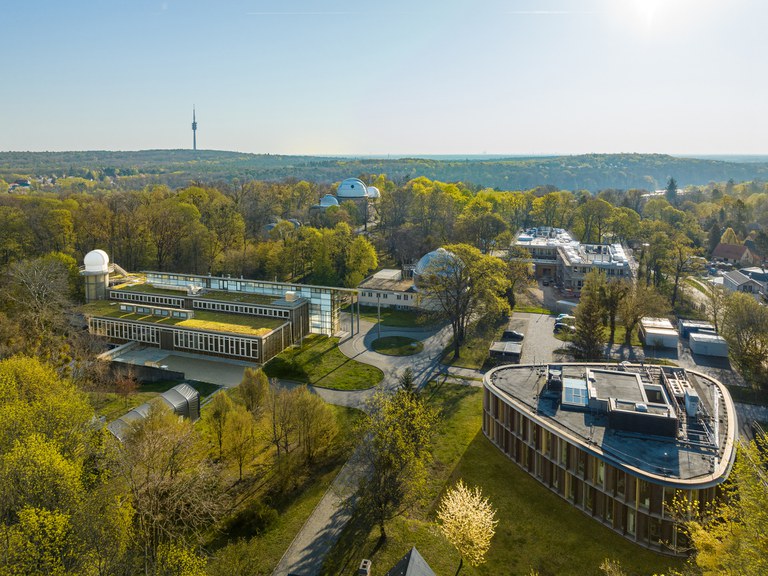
{"points": [[328, 200], [438, 262], [96, 274], [352, 188], [355, 190]]}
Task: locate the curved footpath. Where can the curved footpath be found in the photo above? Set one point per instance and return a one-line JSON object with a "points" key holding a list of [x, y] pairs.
{"points": [[305, 555]]}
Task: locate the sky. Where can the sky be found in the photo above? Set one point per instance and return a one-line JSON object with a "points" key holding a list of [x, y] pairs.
{"points": [[394, 77]]}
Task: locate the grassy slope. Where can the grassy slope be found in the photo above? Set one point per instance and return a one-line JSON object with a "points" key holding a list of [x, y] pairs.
{"points": [[474, 350], [537, 529], [258, 555], [319, 362]]}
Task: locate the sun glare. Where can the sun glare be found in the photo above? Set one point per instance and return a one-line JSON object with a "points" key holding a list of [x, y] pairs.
{"points": [[647, 11]]}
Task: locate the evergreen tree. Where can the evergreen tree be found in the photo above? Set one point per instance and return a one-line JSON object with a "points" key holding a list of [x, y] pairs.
{"points": [[729, 237], [671, 192], [590, 332]]}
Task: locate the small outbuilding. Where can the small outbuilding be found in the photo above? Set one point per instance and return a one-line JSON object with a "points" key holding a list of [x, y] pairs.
{"points": [[708, 345], [182, 399], [508, 351], [658, 332], [688, 327]]}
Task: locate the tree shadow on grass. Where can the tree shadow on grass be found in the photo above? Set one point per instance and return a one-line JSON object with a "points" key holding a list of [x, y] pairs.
{"points": [[352, 545], [446, 396]]}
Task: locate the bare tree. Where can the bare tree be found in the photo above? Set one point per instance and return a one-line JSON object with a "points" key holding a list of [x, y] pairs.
{"points": [[175, 492]]}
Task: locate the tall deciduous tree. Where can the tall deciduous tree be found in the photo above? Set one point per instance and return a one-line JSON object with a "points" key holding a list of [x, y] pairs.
{"points": [[640, 301], [254, 390], [240, 430], [466, 285], [730, 539], [612, 292], [468, 521], [745, 327], [519, 272], [216, 417], [396, 437], [176, 493], [729, 237]]}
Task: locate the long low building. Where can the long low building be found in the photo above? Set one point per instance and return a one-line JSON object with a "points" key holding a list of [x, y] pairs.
{"points": [[237, 318], [618, 443]]}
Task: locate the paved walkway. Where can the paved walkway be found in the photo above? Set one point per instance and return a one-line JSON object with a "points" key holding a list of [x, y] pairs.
{"points": [[305, 555]]}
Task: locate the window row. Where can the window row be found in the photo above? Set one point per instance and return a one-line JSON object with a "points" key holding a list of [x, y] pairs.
{"points": [[241, 309], [124, 330], [216, 344], [516, 434], [146, 298]]}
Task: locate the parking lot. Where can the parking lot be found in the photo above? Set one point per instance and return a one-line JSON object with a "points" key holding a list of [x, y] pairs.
{"points": [[540, 343]]}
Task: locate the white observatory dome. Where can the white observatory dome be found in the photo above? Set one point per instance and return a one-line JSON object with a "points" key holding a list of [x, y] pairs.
{"points": [[96, 262], [438, 262], [352, 188], [373, 192], [328, 200]]}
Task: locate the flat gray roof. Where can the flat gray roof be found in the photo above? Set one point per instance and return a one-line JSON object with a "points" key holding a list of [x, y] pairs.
{"points": [[692, 459]]}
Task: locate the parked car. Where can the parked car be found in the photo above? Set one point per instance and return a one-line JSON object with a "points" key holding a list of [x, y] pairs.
{"points": [[546, 282], [512, 335], [564, 317], [563, 327]]}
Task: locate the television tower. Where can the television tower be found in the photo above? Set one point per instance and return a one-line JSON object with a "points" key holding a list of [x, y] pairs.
{"points": [[194, 129]]}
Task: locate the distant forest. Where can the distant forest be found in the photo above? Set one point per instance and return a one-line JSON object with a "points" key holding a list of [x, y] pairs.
{"points": [[592, 172]]}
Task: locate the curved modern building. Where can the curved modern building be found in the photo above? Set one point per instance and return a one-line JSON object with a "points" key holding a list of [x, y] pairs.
{"points": [[617, 442]]}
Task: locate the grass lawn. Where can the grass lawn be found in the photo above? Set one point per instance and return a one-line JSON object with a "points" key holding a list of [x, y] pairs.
{"points": [[320, 363], [537, 529], [533, 309], [618, 337], [398, 318], [474, 350], [397, 346]]}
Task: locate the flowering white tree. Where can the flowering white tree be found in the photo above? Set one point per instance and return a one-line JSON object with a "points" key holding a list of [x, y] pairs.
{"points": [[468, 521]]}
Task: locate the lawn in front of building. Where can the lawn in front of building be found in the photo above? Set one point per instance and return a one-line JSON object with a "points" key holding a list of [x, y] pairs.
{"points": [[320, 362], [397, 346], [474, 349], [537, 529]]}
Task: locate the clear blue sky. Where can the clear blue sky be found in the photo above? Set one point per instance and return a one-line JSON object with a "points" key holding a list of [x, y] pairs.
{"points": [[386, 77]]}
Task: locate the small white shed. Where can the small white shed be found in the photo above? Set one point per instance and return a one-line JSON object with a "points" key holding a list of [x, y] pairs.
{"points": [[709, 345], [658, 332]]}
